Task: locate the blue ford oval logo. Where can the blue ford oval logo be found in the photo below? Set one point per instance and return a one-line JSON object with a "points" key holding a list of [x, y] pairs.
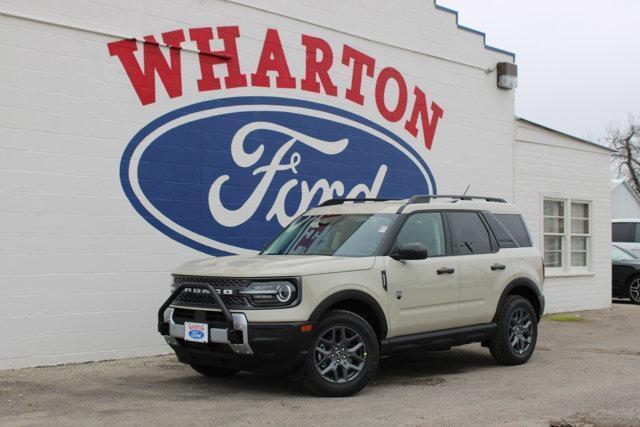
{"points": [[195, 334], [225, 176]]}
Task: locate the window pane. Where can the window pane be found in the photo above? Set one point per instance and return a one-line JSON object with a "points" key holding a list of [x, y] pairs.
{"points": [[578, 243], [579, 259], [552, 243], [554, 225], [580, 226], [425, 228], [579, 210], [637, 237], [469, 234], [622, 232], [553, 259], [553, 208], [515, 225]]}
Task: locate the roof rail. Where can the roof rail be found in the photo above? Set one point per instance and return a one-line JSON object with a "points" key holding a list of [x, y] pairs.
{"points": [[427, 199], [334, 202]]}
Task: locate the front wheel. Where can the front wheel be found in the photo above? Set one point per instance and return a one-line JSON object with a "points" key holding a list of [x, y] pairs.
{"points": [[343, 356], [517, 332], [634, 290]]}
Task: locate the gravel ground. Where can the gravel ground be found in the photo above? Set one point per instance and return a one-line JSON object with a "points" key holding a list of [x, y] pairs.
{"points": [[583, 373]]}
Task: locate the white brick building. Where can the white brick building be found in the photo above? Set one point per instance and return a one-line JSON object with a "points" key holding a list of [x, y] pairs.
{"points": [[109, 145]]}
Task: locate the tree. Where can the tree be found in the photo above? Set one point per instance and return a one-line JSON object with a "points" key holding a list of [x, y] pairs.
{"points": [[626, 143]]}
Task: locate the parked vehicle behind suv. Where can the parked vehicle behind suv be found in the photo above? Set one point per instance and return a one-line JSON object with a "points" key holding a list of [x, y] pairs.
{"points": [[625, 275], [625, 233], [350, 282]]}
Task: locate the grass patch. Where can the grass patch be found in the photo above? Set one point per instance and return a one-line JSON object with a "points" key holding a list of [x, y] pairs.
{"points": [[565, 317]]}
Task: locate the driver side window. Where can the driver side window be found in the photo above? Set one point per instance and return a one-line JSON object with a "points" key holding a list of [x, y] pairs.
{"points": [[425, 228]]}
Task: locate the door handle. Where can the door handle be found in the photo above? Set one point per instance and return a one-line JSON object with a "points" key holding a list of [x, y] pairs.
{"points": [[445, 270], [497, 266]]}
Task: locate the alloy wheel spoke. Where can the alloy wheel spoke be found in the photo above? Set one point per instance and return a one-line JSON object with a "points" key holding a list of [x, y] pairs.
{"points": [[339, 354]]}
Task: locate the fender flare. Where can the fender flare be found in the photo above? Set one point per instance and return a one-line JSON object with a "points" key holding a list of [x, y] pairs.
{"points": [[353, 294], [521, 282]]}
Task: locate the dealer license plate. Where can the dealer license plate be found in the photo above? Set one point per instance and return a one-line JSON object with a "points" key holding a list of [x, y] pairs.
{"points": [[196, 332]]}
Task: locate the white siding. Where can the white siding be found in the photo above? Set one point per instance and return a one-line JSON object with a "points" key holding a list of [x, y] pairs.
{"points": [[549, 164], [624, 204], [81, 273]]}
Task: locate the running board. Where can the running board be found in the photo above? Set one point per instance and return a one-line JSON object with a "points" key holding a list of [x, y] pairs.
{"points": [[439, 340]]}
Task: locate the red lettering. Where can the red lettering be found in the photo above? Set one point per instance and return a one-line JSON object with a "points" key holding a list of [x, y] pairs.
{"points": [[272, 59], [381, 85], [420, 110], [228, 57], [360, 61], [317, 71], [144, 82]]}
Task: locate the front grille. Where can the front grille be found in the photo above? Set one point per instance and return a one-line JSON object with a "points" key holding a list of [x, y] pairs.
{"points": [[204, 299], [214, 319]]}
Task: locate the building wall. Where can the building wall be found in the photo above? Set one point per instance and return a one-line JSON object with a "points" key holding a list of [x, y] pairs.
{"points": [[549, 164], [82, 271], [624, 205]]}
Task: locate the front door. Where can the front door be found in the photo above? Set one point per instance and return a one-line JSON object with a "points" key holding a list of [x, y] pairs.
{"points": [[423, 294]]}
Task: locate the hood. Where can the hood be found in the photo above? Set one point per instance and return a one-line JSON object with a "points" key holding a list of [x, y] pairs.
{"points": [[273, 265]]}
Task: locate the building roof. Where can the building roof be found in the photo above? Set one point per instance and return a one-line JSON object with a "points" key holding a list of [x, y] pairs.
{"points": [[471, 30], [575, 138]]}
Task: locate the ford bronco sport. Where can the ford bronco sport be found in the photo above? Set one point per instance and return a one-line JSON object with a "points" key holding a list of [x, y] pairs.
{"points": [[352, 281]]}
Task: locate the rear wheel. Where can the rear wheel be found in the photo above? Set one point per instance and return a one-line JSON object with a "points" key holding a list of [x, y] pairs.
{"points": [[634, 290], [517, 332], [213, 371], [343, 356]]}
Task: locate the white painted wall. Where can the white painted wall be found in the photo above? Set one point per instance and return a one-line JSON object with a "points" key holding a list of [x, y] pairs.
{"points": [[549, 164], [81, 273], [624, 204]]}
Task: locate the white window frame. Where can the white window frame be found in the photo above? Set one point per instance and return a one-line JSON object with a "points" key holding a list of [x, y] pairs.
{"points": [[567, 269]]}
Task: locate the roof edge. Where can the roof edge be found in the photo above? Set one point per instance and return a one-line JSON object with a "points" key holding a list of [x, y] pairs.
{"points": [[471, 30], [575, 138]]}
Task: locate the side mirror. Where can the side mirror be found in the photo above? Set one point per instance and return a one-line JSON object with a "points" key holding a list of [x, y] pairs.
{"points": [[410, 251]]}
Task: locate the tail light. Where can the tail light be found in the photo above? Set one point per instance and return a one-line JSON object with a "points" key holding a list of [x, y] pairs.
{"points": [[542, 270]]}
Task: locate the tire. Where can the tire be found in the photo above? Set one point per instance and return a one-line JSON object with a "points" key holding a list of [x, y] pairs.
{"points": [[633, 290], [213, 371], [345, 347], [517, 324]]}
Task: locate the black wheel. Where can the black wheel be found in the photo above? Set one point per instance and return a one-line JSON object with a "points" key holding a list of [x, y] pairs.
{"points": [[214, 371], [517, 332], [343, 356], [634, 290]]}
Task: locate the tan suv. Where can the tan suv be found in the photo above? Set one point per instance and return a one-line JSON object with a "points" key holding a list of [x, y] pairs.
{"points": [[351, 281]]}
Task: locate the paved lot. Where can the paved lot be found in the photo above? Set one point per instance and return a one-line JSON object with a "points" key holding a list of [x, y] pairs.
{"points": [[583, 373]]}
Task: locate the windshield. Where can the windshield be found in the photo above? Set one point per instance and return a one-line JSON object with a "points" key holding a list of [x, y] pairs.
{"points": [[355, 235], [618, 254]]}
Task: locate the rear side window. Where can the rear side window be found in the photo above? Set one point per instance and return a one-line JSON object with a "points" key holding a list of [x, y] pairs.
{"points": [[622, 232], [469, 235], [516, 227], [504, 237]]}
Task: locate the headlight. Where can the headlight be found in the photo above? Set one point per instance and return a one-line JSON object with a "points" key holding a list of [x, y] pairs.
{"points": [[276, 293]]}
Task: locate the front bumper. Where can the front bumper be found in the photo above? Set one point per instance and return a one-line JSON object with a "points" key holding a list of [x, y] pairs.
{"points": [[234, 343]]}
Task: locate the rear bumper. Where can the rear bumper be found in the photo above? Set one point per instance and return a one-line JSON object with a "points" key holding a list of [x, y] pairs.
{"points": [[542, 304]]}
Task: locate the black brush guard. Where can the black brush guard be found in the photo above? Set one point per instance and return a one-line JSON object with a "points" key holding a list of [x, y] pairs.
{"points": [[233, 335]]}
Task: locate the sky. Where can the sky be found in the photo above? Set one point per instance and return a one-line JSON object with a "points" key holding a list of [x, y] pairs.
{"points": [[578, 61]]}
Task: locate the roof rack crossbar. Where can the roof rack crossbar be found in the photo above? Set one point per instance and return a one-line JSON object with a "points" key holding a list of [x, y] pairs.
{"points": [[334, 202], [426, 198]]}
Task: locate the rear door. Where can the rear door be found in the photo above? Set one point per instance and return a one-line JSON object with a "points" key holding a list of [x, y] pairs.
{"points": [[484, 269], [423, 294]]}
